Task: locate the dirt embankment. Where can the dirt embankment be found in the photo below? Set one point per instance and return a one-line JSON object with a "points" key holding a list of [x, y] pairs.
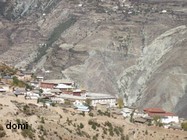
{"points": [[66, 123]]}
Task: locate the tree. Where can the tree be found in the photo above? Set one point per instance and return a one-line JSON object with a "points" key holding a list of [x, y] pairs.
{"points": [[28, 87], [157, 120], [53, 104], [131, 116], [19, 83], [88, 102], [120, 103], [15, 81], [41, 90], [38, 100], [67, 102], [33, 76]]}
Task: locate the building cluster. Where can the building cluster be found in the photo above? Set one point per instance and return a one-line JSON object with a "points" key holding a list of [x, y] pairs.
{"points": [[153, 116], [53, 91], [62, 90]]}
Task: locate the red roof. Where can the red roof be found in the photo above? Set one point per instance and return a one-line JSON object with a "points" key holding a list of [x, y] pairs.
{"points": [[161, 114], [157, 112], [154, 110]]}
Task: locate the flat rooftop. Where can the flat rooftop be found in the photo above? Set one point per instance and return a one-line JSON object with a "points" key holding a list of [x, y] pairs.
{"points": [[57, 81], [91, 96]]}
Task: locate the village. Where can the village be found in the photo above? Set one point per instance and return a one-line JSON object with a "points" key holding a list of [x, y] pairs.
{"points": [[64, 92]]}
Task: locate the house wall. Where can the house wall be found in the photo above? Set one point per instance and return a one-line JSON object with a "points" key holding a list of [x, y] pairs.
{"points": [[7, 81], [77, 93], [77, 102], [127, 112], [33, 98], [103, 101], [40, 79], [57, 100], [66, 89], [6, 88], [47, 85], [67, 92], [69, 84], [20, 77], [24, 77], [169, 119], [27, 77]]}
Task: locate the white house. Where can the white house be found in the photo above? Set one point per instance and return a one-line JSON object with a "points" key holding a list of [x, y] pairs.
{"points": [[164, 11], [127, 112], [57, 100], [165, 117], [77, 102], [64, 87], [80, 106], [40, 78], [33, 96], [34, 84], [100, 98], [169, 119], [103, 101], [4, 88]]}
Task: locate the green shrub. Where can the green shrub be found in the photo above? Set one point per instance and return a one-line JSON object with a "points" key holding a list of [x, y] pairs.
{"points": [[69, 121], [96, 137], [1, 127], [106, 113], [53, 104], [105, 131], [120, 129], [79, 132], [28, 133], [18, 121], [81, 126], [122, 137], [41, 128], [116, 130], [100, 112], [127, 137], [41, 138], [42, 120], [2, 134], [111, 132], [107, 123], [146, 132], [82, 113], [184, 126], [93, 126], [91, 114], [19, 83]]}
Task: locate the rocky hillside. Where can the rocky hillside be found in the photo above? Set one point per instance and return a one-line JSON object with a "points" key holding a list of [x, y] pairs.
{"points": [[133, 48]]}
